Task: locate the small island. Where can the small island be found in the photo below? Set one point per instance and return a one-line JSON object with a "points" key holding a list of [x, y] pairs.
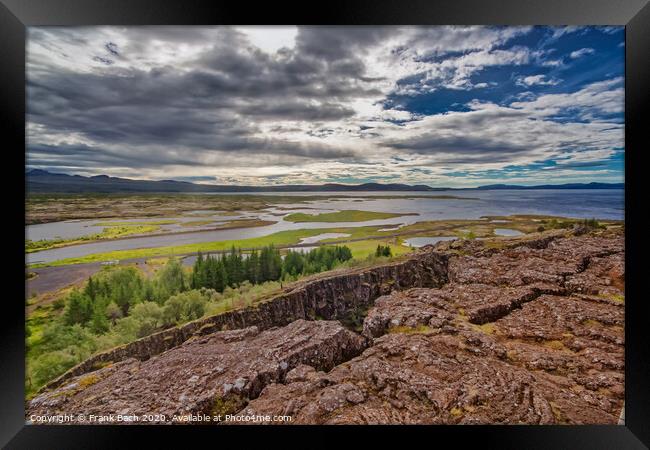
{"points": [[349, 215]]}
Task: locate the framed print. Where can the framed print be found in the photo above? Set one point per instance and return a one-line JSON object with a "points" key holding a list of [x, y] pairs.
{"points": [[405, 218]]}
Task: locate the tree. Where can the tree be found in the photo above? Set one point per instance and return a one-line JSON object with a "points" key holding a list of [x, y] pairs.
{"points": [[276, 263], [123, 285], [253, 263], [219, 276], [91, 289], [149, 316], [198, 273], [234, 267], [188, 305], [78, 308], [170, 280], [294, 263], [50, 365], [173, 310], [265, 265], [113, 312], [99, 322], [194, 305], [382, 251]]}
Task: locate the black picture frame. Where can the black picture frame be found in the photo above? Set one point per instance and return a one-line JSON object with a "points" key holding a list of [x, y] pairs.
{"points": [[16, 15]]}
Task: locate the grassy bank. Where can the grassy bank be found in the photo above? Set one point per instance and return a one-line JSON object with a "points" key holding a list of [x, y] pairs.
{"points": [[350, 215], [109, 232], [288, 237], [43, 208], [121, 231], [130, 223], [360, 239], [120, 304]]}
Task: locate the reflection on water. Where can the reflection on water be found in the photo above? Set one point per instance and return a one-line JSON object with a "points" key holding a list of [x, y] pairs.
{"points": [[507, 232], [61, 230], [422, 241]]}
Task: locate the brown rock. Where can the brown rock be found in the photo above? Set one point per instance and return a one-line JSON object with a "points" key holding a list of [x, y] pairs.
{"points": [[510, 339], [527, 330], [214, 374], [432, 379]]}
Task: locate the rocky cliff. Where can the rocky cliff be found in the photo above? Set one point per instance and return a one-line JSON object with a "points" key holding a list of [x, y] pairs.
{"points": [[526, 330]]}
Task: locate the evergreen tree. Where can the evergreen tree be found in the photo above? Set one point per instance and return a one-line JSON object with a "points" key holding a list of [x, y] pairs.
{"points": [[99, 322], [253, 273], [78, 309], [91, 289], [198, 273], [265, 265], [294, 263], [383, 251]]}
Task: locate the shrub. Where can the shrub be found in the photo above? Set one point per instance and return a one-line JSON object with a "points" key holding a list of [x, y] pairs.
{"points": [[113, 312], [148, 316], [592, 223], [49, 366], [79, 308], [383, 251], [186, 306]]}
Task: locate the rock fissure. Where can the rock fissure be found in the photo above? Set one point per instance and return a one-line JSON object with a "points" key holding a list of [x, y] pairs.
{"points": [[531, 332], [332, 297], [508, 339]]}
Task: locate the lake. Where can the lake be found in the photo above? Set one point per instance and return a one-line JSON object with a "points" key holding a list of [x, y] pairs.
{"points": [[587, 203]]}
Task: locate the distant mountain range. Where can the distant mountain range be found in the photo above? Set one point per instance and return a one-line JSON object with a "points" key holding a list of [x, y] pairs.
{"points": [[556, 186], [42, 181]]}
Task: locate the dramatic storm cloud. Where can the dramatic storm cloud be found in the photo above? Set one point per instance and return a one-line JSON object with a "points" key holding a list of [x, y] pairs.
{"points": [[444, 106]]}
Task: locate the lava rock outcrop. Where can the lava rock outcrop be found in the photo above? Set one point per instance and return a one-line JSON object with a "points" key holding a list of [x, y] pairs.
{"points": [[506, 331], [213, 374], [527, 334]]}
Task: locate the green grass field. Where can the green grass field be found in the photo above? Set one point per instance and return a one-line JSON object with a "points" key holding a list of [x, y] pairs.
{"points": [[109, 232], [287, 237], [132, 223], [196, 223], [362, 240], [361, 249], [350, 215]]}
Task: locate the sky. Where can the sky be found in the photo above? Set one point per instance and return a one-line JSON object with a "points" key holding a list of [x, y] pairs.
{"points": [[445, 106]]}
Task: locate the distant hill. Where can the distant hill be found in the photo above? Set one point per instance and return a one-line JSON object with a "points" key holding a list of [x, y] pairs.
{"points": [[42, 181], [557, 186]]}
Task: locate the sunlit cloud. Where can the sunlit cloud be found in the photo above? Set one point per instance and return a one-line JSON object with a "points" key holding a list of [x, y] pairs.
{"points": [[444, 106]]}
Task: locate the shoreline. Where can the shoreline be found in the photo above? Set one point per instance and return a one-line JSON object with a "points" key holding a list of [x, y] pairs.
{"points": [[414, 233]]}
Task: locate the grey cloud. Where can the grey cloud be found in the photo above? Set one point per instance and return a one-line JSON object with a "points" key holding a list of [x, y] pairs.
{"points": [[298, 111], [165, 116], [457, 145], [336, 43], [112, 48], [102, 60], [226, 102]]}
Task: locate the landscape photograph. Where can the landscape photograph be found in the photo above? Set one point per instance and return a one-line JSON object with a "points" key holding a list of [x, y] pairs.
{"points": [[325, 225]]}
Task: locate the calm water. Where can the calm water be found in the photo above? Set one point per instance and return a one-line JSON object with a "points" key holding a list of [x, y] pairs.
{"points": [[507, 232], [422, 241], [601, 204]]}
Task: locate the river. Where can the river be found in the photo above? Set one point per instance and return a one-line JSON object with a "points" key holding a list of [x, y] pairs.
{"points": [[587, 203]]}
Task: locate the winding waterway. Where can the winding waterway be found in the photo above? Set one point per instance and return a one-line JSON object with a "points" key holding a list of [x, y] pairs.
{"points": [[588, 203]]}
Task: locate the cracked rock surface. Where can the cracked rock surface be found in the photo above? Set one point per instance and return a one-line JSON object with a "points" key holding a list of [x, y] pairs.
{"points": [[528, 334], [526, 330], [212, 374]]}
